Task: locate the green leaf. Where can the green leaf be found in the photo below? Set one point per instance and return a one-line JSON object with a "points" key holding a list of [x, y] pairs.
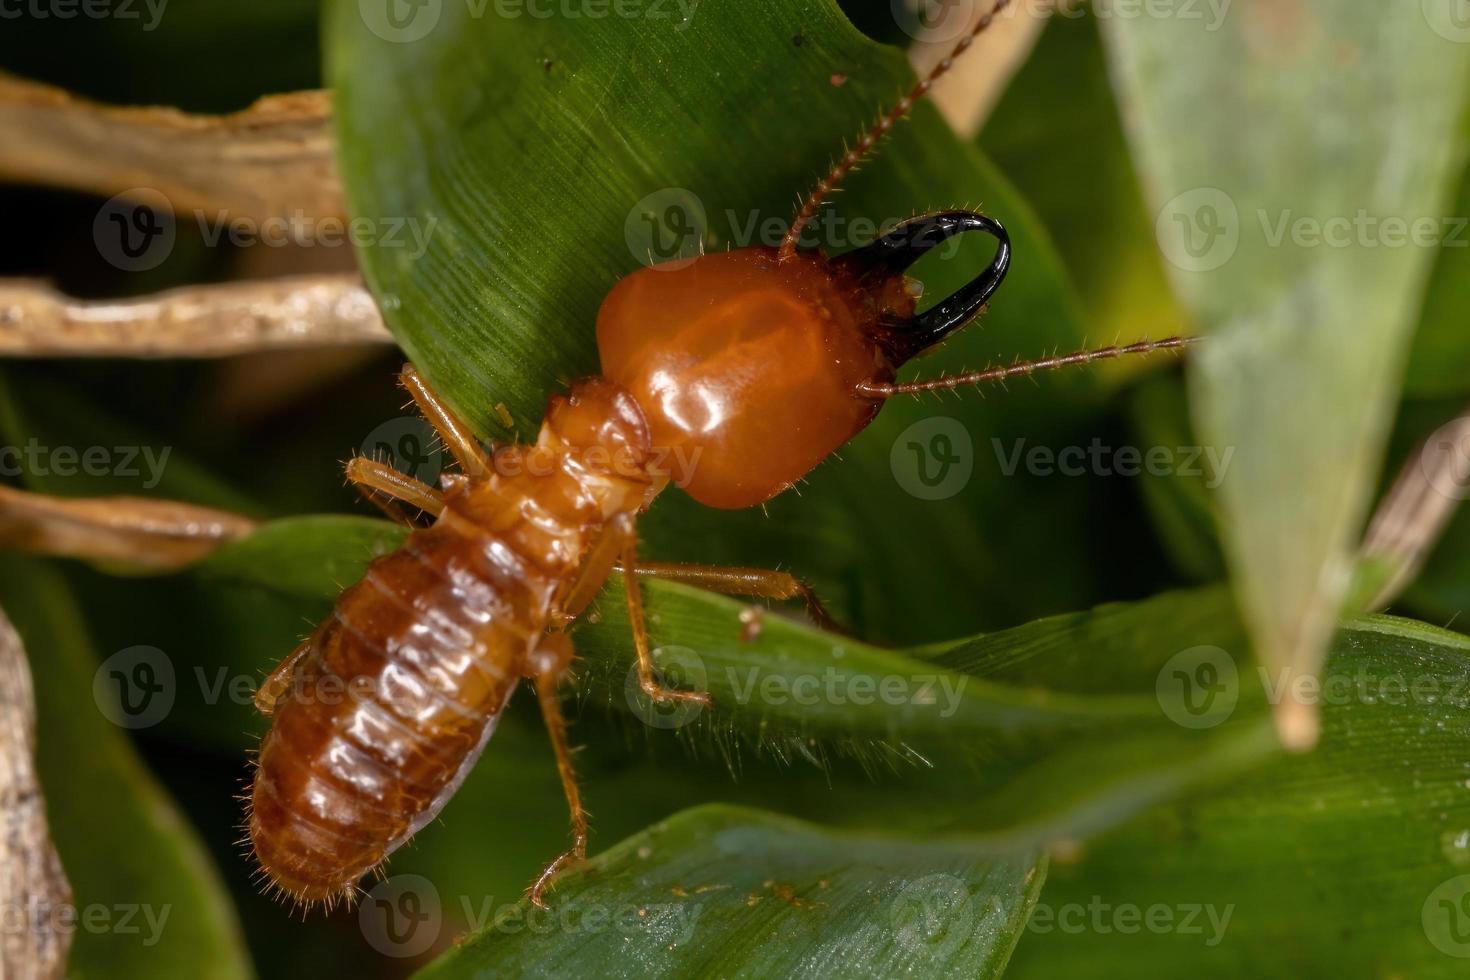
{"points": [[1059, 725], [739, 892], [530, 143], [1348, 862], [149, 901], [1307, 339]]}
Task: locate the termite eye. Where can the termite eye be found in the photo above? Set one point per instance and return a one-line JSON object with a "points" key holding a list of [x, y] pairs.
{"points": [[885, 261]]}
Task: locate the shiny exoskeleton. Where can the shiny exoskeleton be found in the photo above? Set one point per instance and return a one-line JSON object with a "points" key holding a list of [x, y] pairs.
{"points": [[754, 364]]}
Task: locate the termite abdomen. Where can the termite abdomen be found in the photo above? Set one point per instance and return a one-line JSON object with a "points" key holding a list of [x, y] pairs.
{"points": [[391, 704]]}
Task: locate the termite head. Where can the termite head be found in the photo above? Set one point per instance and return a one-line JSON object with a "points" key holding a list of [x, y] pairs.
{"points": [[749, 364]]}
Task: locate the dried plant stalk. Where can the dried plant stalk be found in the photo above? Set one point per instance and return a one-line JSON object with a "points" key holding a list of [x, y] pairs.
{"points": [[151, 535], [272, 159], [33, 886], [975, 85], [1429, 489], [197, 321]]}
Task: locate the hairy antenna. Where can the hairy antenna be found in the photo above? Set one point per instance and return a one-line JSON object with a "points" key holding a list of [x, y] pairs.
{"points": [[994, 374], [869, 139]]}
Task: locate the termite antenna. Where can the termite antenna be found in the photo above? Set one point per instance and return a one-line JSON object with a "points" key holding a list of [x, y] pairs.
{"points": [[999, 375], [864, 146]]}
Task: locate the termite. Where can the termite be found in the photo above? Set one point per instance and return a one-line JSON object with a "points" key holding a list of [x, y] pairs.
{"points": [[758, 362]]}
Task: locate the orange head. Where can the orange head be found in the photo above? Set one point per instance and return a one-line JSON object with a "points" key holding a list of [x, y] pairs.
{"points": [[748, 366]]}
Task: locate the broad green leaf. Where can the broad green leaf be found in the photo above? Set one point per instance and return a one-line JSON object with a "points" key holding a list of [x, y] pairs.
{"points": [[149, 902], [1056, 132], [738, 892], [1352, 861], [1241, 134], [536, 147], [1059, 727]]}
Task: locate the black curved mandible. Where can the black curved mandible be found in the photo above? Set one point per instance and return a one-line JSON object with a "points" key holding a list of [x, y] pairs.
{"points": [[906, 244]]}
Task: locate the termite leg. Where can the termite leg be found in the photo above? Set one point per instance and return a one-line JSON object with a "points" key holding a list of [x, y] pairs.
{"points": [[278, 684], [647, 679], [552, 659], [458, 437], [760, 583], [383, 485]]}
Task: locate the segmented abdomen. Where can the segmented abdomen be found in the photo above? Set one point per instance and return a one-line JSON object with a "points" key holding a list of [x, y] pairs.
{"points": [[397, 694]]}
